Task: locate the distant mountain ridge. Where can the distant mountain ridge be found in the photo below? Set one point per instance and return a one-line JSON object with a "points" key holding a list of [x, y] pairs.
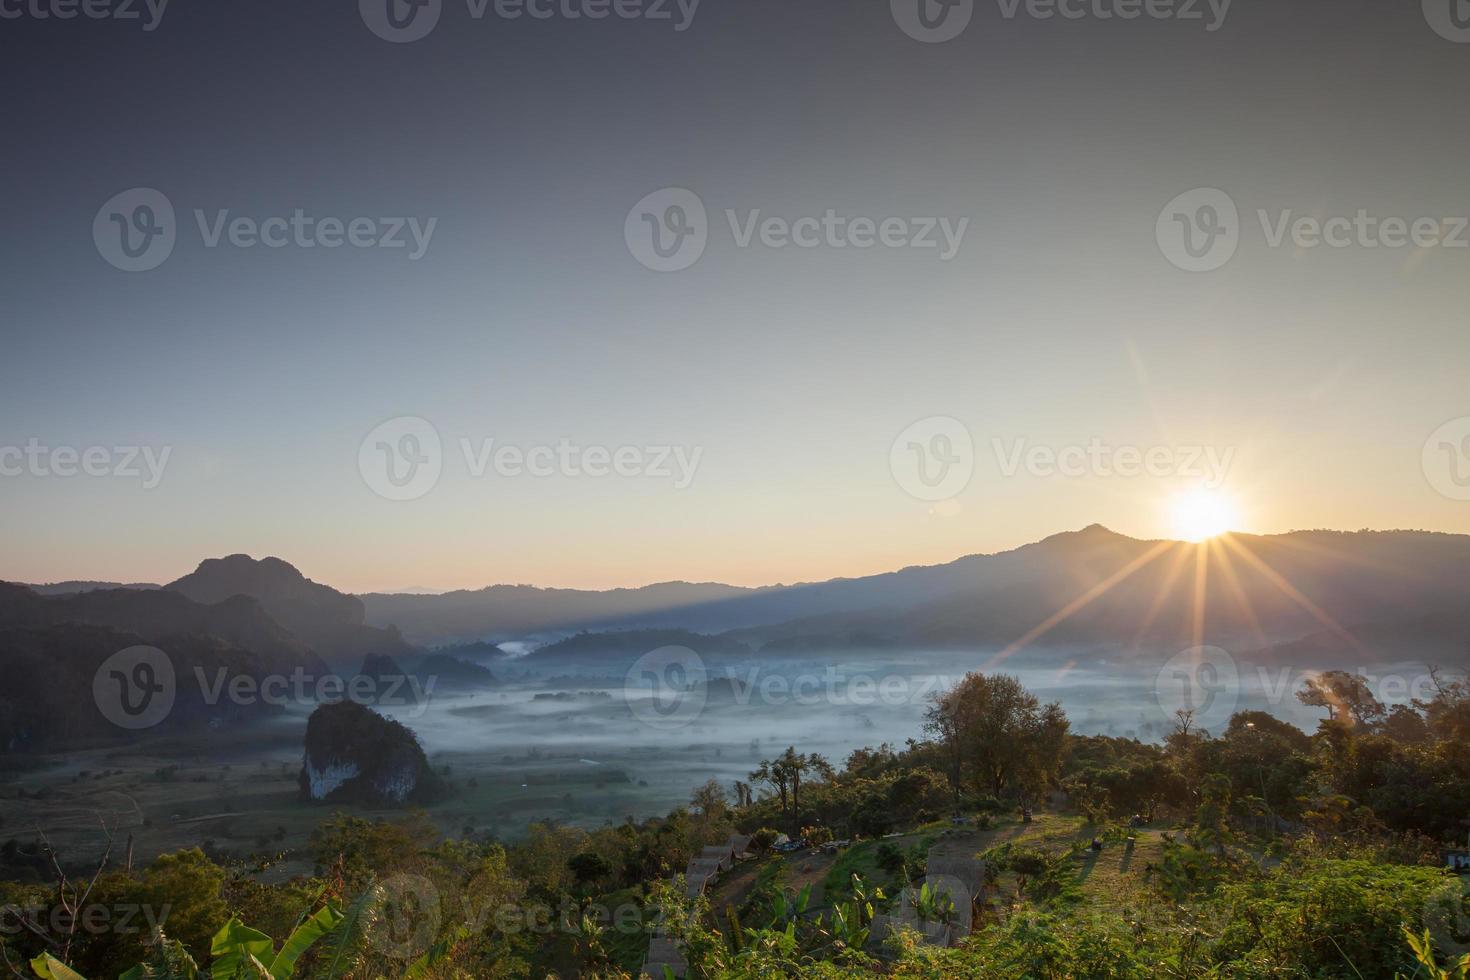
{"points": [[1117, 590], [1092, 587], [69, 588], [514, 611]]}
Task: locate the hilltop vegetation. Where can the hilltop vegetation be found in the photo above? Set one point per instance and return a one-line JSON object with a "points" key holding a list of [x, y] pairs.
{"points": [[1257, 851]]}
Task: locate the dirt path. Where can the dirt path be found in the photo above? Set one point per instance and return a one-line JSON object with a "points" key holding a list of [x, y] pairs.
{"points": [[809, 868], [735, 886]]}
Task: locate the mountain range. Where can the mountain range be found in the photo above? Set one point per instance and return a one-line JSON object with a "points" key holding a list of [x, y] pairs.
{"points": [[1116, 590], [1380, 593]]}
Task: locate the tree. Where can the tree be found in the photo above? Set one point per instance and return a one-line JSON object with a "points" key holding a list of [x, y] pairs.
{"points": [[743, 796], [709, 800], [779, 779], [785, 773], [1347, 697], [1448, 712], [588, 867], [1155, 783], [998, 734]]}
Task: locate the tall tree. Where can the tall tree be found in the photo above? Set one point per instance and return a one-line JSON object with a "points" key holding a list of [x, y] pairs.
{"points": [[996, 733], [1347, 697]]}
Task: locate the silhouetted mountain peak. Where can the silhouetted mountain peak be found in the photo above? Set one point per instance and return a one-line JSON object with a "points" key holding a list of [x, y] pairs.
{"points": [[330, 621], [1090, 534]]}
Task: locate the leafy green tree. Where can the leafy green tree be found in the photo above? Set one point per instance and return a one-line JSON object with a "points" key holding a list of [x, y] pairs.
{"points": [[1002, 738]]}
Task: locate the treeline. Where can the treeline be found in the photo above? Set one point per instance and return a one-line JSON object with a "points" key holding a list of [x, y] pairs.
{"points": [[1279, 840]]}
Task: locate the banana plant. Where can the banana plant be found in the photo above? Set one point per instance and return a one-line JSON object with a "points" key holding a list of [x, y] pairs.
{"points": [[785, 909], [1423, 948], [847, 927], [237, 952], [932, 905]]}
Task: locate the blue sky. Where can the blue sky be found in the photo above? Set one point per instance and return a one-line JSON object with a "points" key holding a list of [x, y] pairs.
{"points": [[528, 321]]}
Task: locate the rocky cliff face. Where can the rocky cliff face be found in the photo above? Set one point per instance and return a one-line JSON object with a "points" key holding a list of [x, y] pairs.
{"points": [[355, 755]]}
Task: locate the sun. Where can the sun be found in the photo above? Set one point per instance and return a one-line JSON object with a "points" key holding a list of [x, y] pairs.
{"points": [[1200, 514]]}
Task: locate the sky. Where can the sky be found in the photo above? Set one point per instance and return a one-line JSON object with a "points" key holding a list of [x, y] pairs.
{"points": [[838, 410]]}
